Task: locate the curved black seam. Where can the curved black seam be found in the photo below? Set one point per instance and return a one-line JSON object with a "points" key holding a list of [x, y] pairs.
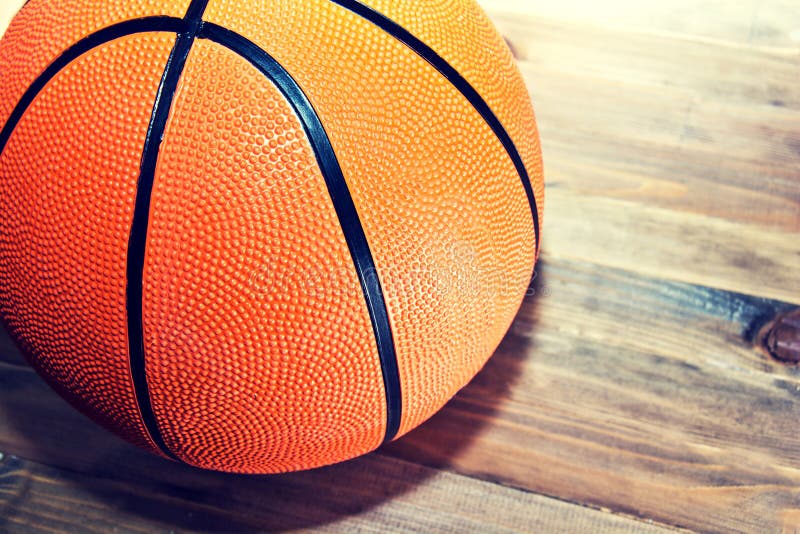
{"points": [[137, 243], [343, 204], [99, 38], [449, 72]]}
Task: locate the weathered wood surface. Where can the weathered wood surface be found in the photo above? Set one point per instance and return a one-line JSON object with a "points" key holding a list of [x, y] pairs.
{"points": [[635, 395], [632, 383], [373, 494], [770, 24], [668, 156], [94, 481]]}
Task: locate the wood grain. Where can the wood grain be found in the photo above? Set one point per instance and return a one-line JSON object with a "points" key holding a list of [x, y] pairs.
{"points": [[620, 392], [632, 382], [666, 156], [770, 24], [105, 484], [639, 395]]}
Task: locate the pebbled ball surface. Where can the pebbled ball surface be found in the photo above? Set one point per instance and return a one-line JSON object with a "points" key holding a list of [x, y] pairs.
{"points": [[44, 29], [67, 185], [259, 351], [443, 208], [462, 34]]}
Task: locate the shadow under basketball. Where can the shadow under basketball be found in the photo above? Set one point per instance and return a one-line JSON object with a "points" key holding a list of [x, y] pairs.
{"points": [[38, 425]]}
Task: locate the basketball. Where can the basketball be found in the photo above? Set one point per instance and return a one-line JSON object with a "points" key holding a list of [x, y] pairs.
{"points": [[261, 237]]}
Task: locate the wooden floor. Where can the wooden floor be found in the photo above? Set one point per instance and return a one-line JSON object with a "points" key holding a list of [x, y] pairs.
{"points": [[632, 393]]}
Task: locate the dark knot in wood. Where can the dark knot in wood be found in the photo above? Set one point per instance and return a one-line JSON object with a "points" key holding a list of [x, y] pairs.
{"points": [[783, 339]]}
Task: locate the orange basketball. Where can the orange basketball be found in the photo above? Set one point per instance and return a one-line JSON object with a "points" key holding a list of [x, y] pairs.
{"points": [[262, 236]]}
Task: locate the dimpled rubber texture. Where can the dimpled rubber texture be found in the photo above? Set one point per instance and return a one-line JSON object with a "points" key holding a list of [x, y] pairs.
{"points": [[260, 352], [44, 29], [67, 184], [445, 213], [461, 33]]}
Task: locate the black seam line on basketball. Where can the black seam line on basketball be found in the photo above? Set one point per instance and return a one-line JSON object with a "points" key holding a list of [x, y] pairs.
{"points": [[343, 204], [137, 243], [99, 38], [461, 83]]}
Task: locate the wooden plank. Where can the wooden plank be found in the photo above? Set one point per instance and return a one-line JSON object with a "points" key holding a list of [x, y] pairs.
{"points": [[612, 390], [750, 23], [125, 490], [636, 395], [668, 244], [667, 157]]}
